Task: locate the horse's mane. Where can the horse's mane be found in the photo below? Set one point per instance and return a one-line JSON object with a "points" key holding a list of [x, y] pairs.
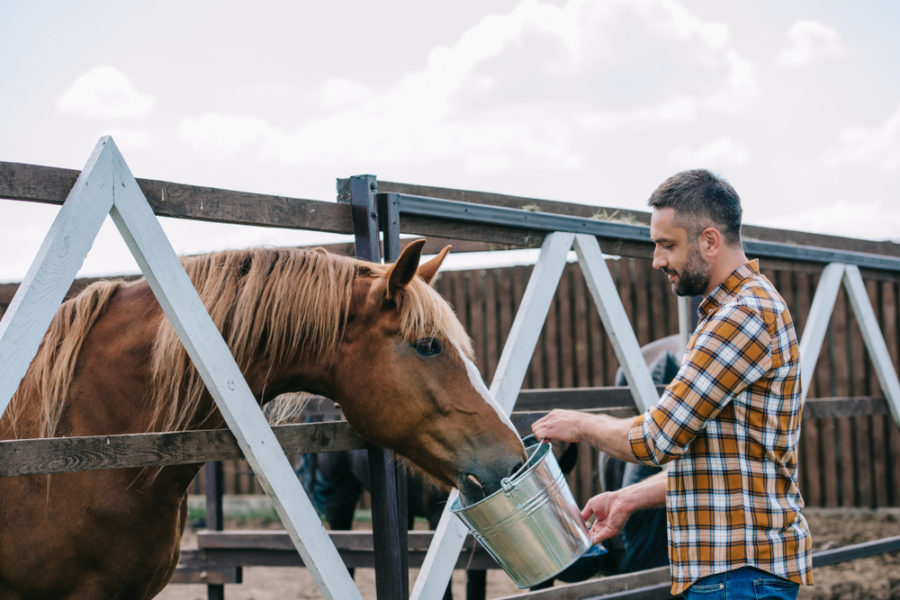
{"points": [[53, 367], [275, 304]]}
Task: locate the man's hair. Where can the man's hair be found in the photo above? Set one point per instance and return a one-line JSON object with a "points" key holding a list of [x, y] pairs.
{"points": [[699, 196]]}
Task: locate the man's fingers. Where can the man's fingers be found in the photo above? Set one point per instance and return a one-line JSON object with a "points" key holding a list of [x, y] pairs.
{"points": [[603, 532]]}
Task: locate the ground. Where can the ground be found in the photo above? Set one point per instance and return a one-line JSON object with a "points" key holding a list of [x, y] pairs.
{"points": [[867, 579]]}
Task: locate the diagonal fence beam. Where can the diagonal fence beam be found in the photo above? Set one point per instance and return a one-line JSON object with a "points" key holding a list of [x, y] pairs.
{"points": [[615, 321], [516, 356], [210, 354], [52, 271], [817, 322], [450, 533], [873, 338], [106, 186]]}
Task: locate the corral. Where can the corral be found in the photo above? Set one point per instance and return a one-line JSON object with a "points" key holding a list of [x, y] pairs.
{"points": [[847, 426]]}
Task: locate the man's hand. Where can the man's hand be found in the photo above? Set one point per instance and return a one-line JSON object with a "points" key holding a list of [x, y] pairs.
{"points": [[611, 513], [601, 431], [560, 425], [612, 509]]}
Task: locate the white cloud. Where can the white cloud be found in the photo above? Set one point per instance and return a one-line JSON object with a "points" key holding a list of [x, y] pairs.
{"points": [[809, 42], [105, 92], [861, 218], [878, 146], [223, 134], [476, 102], [723, 151], [338, 93]]}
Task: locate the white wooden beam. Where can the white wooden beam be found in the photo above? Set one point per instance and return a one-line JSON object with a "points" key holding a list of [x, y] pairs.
{"points": [[817, 322], [615, 321], [437, 568], [55, 266], [526, 328], [224, 380], [874, 339]]}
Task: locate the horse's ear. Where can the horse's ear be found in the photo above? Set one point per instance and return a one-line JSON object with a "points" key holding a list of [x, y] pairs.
{"points": [[430, 269], [404, 269]]}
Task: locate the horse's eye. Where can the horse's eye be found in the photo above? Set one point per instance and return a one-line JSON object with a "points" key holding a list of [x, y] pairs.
{"points": [[428, 346]]}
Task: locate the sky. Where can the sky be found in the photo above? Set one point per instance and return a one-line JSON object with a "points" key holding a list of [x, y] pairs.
{"points": [[797, 104]]}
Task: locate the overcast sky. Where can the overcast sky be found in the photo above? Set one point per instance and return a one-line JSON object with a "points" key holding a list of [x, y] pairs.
{"points": [[592, 101]]}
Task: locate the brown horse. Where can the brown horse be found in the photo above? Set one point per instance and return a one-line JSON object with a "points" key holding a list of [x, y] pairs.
{"points": [[375, 338]]}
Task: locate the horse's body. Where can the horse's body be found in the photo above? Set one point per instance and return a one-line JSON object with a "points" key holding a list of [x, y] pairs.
{"points": [[376, 339]]}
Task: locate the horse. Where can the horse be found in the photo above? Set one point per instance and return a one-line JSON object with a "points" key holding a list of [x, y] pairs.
{"points": [[377, 339]]}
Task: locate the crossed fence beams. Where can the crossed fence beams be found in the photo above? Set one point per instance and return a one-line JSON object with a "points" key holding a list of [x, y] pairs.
{"points": [[522, 339], [106, 186]]}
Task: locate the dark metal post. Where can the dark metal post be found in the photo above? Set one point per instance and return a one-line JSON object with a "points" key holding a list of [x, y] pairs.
{"points": [[388, 530], [215, 519]]}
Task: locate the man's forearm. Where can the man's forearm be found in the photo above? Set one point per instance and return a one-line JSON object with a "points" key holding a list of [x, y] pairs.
{"points": [[608, 434], [647, 493]]}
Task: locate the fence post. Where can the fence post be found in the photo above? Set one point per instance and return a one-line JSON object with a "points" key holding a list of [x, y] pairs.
{"points": [[387, 481], [215, 519]]}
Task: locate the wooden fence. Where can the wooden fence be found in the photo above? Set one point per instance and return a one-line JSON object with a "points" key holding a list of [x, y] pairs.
{"points": [[850, 445], [851, 461]]}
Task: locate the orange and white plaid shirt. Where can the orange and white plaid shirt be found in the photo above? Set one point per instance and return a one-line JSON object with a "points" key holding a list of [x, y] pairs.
{"points": [[730, 421]]}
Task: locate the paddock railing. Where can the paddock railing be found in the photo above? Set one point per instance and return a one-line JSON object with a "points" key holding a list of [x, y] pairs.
{"points": [[520, 228]]}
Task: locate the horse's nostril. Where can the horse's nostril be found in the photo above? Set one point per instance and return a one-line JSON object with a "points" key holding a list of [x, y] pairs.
{"points": [[515, 469]]}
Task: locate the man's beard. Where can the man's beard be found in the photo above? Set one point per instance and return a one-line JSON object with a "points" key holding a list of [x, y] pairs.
{"points": [[694, 277]]}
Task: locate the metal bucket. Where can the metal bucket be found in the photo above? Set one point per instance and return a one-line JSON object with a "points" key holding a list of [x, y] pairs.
{"points": [[532, 525]]}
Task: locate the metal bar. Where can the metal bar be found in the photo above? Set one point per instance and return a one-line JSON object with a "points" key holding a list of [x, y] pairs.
{"points": [[824, 558], [391, 576], [365, 217], [389, 223], [500, 216], [215, 519]]}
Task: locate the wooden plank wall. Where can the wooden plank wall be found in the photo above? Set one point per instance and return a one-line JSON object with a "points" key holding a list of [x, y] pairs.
{"points": [[847, 461]]}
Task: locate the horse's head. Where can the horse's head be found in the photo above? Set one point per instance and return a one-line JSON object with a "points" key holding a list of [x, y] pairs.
{"points": [[405, 379]]}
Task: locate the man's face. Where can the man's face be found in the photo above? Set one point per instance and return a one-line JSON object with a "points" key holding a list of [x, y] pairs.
{"points": [[677, 255]]}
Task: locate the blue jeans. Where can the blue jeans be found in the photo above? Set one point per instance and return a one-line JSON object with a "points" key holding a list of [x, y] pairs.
{"points": [[745, 583]]}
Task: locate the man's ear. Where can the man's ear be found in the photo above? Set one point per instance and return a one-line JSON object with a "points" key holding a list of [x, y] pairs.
{"points": [[710, 241]]}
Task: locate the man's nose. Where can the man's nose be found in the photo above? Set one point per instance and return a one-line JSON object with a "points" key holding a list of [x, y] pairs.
{"points": [[658, 261]]}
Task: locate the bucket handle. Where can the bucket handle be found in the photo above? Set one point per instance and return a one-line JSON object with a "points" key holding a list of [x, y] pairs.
{"points": [[507, 482]]}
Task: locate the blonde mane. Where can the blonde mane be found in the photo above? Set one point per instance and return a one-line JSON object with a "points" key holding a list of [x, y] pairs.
{"points": [[272, 304], [53, 367]]}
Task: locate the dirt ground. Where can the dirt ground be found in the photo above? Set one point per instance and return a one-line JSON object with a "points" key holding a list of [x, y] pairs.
{"points": [[867, 579]]}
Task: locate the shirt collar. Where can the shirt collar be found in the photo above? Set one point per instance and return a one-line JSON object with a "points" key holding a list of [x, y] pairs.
{"points": [[727, 288]]}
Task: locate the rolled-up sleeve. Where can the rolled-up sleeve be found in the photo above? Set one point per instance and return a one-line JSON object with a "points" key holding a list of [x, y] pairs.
{"points": [[728, 353]]}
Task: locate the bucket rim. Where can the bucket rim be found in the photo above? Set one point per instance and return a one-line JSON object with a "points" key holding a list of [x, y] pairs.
{"points": [[507, 483]]}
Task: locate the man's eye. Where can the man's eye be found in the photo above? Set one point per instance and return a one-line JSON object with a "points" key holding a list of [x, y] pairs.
{"points": [[428, 346]]}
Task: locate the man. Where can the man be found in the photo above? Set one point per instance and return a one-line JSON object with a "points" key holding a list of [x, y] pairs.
{"points": [[729, 423]]}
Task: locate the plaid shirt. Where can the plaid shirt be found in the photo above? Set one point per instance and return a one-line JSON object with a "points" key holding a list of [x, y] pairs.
{"points": [[731, 418]]}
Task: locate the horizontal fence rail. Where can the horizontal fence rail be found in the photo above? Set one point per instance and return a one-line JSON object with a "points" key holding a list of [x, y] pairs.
{"points": [[499, 216], [850, 447], [42, 456]]}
